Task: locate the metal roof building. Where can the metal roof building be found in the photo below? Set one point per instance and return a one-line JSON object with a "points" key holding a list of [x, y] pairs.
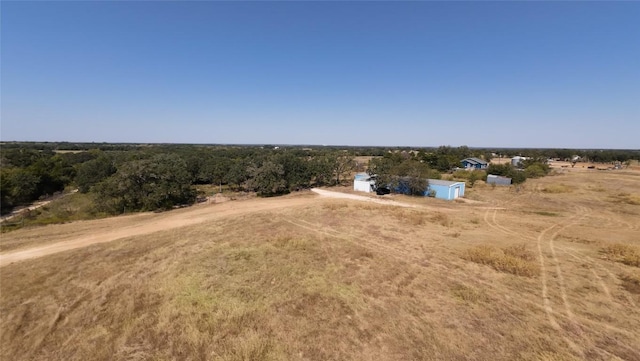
{"points": [[474, 163], [437, 188], [445, 189], [498, 180]]}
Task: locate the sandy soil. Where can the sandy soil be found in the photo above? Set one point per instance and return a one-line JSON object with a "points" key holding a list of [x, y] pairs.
{"points": [[180, 218]]}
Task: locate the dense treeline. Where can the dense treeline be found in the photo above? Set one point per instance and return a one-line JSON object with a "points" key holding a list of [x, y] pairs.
{"points": [[161, 177], [26, 174], [590, 155], [130, 177]]}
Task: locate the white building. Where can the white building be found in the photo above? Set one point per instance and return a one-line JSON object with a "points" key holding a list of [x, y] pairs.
{"points": [[364, 182]]}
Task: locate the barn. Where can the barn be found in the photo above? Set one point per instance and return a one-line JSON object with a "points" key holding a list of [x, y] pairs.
{"points": [[498, 180], [474, 163], [364, 182]]}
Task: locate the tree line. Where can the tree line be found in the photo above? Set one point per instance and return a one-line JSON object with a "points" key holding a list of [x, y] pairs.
{"points": [[131, 177], [155, 178]]}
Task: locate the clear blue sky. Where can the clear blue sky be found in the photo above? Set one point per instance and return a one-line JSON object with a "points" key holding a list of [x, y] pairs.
{"points": [[504, 74]]}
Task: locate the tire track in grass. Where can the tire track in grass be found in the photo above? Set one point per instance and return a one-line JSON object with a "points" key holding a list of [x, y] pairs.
{"points": [[592, 262], [453, 275], [561, 280], [581, 213], [545, 295], [603, 285], [544, 282]]}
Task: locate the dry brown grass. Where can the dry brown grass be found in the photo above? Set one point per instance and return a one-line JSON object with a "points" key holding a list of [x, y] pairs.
{"points": [[627, 198], [442, 218], [557, 188], [622, 253], [409, 217], [338, 280], [631, 282], [515, 259]]}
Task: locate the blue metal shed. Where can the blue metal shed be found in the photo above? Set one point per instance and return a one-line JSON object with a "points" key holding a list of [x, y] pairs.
{"points": [[438, 188], [446, 189]]}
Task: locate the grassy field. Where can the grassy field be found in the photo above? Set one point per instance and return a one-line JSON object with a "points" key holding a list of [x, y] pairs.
{"points": [[548, 272]]}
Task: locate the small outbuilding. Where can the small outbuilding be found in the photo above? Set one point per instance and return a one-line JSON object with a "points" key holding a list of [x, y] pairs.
{"points": [[498, 180], [364, 182], [443, 189], [474, 163], [437, 188], [517, 161]]}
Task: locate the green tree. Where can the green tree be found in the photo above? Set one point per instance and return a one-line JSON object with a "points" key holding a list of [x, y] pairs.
{"points": [[321, 171], [341, 165], [297, 172], [160, 182], [94, 171], [267, 179], [238, 173], [475, 176]]}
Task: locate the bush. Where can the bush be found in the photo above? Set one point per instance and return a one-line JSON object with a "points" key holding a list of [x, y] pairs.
{"points": [[535, 171]]}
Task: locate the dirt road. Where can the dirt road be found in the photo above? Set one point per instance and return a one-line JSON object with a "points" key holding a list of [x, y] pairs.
{"points": [[331, 194], [180, 218], [34, 206]]}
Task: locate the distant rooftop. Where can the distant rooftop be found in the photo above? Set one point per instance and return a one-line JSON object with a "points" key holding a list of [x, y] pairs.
{"points": [[473, 160]]}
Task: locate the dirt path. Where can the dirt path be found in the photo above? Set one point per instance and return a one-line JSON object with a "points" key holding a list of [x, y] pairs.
{"points": [[181, 218], [160, 222], [332, 194], [34, 206]]}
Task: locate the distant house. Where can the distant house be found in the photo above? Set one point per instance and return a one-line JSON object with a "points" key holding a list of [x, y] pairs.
{"points": [[364, 182], [474, 163], [437, 188], [498, 180]]}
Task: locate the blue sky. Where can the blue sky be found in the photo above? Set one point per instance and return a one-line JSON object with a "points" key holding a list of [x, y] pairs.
{"points": [[503, 74]]}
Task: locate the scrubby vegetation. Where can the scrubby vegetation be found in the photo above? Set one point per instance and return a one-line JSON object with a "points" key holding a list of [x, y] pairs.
{"points": [[557, 188], [130, 178], [516, 260], [622, 253]]}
